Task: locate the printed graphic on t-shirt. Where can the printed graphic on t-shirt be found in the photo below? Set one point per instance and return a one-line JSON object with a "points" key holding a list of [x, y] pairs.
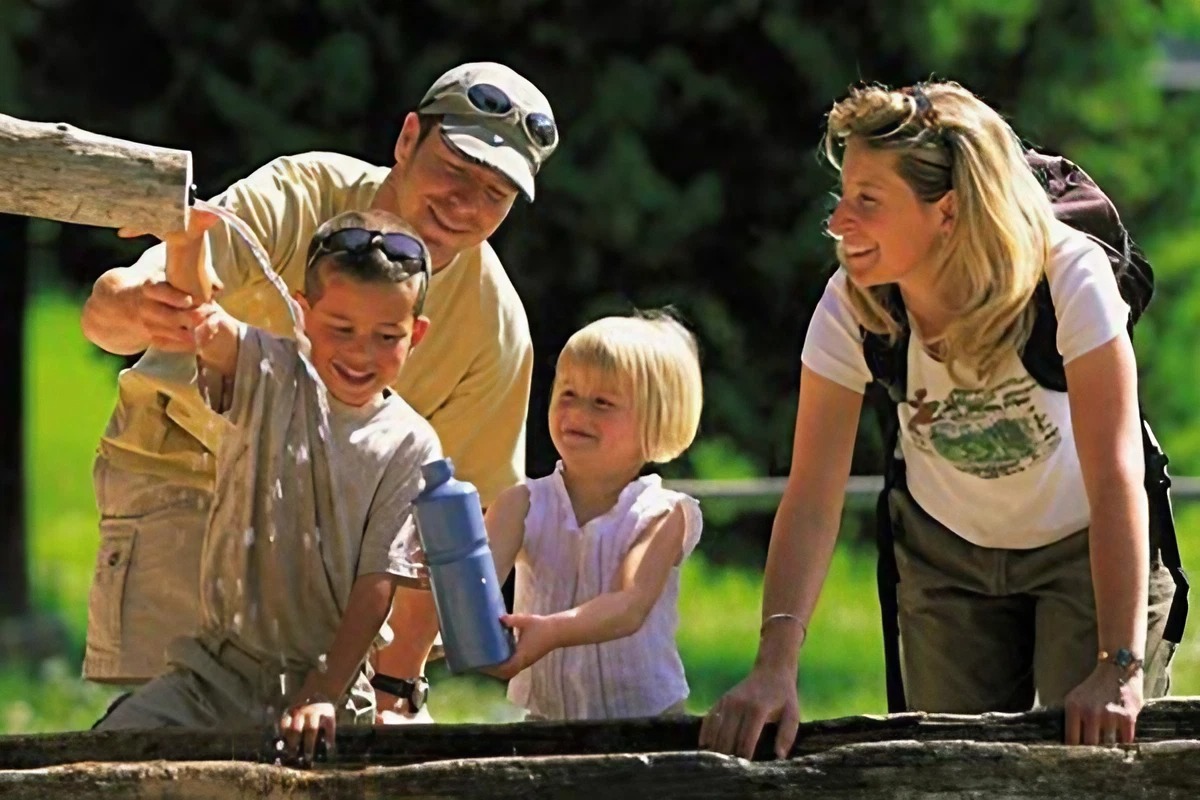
{"points": [[988, 433]]}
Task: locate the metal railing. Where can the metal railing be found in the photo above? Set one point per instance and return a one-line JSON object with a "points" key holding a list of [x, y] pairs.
{"points": [[859, 486]]}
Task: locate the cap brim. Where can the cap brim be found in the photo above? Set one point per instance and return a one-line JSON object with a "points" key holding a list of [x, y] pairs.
{"points": [[481, 144]]}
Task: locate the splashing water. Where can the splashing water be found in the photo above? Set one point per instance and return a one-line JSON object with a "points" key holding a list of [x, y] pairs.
{"points": [[263, 259], [260, 255], [300, 453]]}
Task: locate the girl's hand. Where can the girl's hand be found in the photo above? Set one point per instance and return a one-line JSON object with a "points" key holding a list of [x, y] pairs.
{"points": [[768, 694], [1101, 710], [536, 636]]}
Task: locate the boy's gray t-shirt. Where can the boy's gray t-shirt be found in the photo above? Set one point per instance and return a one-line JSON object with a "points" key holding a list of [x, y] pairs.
{"points": [[306, 501]]}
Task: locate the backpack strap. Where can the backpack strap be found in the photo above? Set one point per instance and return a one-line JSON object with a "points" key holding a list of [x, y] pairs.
{"points": [[1045, 365], [1162, 531], [888, 363]]}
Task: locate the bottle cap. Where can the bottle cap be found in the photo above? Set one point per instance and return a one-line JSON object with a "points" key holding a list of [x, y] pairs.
{"points": [[437, 472]]}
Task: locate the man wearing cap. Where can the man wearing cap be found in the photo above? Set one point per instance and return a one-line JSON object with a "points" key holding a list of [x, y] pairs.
{"points": [[476, 141]]}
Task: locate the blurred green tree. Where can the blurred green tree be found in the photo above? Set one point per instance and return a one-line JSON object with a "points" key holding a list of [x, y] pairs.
{"points": [[688, 171]]}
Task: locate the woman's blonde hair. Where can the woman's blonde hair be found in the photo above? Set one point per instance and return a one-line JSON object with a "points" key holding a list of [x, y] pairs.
{"points": [[657, 357], [990, 264]]}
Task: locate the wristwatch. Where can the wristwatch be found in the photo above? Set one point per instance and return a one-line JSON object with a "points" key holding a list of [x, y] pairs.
{"points": [[414, 691]]}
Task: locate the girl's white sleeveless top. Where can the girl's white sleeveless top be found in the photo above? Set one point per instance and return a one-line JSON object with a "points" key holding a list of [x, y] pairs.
{"points": [[561, 566]]}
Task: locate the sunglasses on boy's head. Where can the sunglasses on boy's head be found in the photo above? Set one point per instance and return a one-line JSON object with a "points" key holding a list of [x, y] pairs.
{"points": [[399, 248]]}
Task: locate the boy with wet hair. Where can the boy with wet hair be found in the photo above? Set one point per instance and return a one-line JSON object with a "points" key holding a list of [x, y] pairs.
{"points": [[311, 529]]}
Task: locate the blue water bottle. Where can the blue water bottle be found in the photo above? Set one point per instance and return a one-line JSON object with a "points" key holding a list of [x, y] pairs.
{"points": [[466, 591]]}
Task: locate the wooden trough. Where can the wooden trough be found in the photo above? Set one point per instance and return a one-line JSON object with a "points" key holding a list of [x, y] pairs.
{"points": [[901, 755]]}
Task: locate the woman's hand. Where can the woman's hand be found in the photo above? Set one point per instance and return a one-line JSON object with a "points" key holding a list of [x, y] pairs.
{"points": [[1102, 710], [768, 694]]}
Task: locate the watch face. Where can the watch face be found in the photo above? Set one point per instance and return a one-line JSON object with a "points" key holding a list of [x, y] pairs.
{"points": [[420, 693], [1124, 658]]}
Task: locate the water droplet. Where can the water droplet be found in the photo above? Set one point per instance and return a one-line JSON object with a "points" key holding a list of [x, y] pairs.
{"points": [[302, 454], [237, 620], [278, 489], [271, 535], [483, 581], [248, 537], [322, 665]]}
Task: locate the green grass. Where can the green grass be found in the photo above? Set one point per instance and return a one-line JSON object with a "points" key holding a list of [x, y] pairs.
{"points": [[70, 390]]}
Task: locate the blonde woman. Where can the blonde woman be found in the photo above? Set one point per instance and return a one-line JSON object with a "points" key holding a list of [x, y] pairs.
{"points": [[1020, 526], [597, 544]]}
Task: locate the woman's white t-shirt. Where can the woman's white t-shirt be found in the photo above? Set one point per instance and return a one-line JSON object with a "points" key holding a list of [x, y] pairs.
{"points": [[996, 465]]}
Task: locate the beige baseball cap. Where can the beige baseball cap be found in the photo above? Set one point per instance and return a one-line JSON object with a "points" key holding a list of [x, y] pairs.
{"points": [[493, 115]]}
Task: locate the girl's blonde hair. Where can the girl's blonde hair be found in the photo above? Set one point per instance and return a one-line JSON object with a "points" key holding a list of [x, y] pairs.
{"points": [[657, 357], [990, 264]]}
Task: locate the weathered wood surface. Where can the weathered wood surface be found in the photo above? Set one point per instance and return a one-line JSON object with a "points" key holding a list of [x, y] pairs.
{"points": [[56, 171], [1162, 720], [903, 769]]}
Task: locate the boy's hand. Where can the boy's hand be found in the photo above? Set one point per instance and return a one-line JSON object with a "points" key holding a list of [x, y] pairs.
{"points": [[199, 221], [212, 320], [304, 724], [536, 636]]}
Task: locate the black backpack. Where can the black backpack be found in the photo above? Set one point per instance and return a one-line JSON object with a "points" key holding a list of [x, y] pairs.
{"points": [[1080, 203]]}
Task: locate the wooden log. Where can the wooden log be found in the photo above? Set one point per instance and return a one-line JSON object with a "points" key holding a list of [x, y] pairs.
{"points": [[56, 171], [1161, 720], [902, 769]]}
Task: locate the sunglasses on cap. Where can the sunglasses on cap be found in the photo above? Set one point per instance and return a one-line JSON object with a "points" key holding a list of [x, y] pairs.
{"points": [[489, 99], [399, 248]]}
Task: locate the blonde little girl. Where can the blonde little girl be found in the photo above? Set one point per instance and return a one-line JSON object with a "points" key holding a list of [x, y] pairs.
{"points": [[597, 545]]}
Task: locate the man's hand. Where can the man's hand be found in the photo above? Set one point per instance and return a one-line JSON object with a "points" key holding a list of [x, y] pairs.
{"points": [[394, 717], [169, 314]]}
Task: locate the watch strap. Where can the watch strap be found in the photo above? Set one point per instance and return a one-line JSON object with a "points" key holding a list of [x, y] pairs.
{"points": [[404, 688]]}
